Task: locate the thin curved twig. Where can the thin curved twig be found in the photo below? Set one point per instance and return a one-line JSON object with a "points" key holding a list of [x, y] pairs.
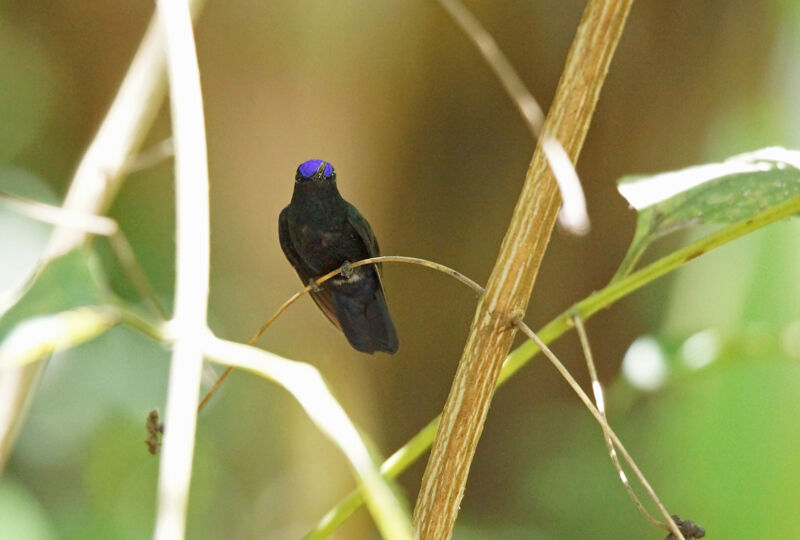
{"points": [[572, 216], [497, 61], [333, 273], [372, 260], [671, 525], [597, 389]]}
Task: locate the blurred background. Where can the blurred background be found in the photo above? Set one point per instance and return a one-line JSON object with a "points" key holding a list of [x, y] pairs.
{"points": [[428, 146]]}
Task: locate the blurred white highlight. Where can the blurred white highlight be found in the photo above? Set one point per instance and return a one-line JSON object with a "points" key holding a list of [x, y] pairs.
{"points": [[700, 349], [654, 189], [598, 396], [572, 216], [643, 193], [644, 364]]}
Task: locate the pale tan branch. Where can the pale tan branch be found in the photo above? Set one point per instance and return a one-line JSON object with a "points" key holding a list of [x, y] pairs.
{"points": [[510, 284]]}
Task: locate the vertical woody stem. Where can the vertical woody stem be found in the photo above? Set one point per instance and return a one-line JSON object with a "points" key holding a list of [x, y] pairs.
{"points": [[192, 224], [510, 284]]}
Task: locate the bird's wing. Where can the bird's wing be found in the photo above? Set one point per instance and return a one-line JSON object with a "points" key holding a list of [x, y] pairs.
{"points": [[364, 232], [324, 301], [288, 246], [322, 297]]}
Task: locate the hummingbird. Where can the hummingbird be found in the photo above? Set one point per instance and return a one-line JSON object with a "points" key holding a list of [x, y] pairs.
{"points": [[319, 232]]}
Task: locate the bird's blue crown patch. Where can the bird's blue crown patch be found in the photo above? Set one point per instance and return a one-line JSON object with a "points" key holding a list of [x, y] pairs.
{"points": [[310, 168]]}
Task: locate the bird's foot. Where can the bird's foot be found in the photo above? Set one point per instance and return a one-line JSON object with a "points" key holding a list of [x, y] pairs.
{"points": [[346, 270], [312, 283]]}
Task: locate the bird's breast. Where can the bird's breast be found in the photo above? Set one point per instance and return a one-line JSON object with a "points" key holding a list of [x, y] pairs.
{"points": [[322, 249], [318, 238]]}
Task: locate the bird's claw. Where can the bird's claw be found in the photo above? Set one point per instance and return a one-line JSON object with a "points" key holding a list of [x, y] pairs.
{"points": [[346, 270], [314, 286]]}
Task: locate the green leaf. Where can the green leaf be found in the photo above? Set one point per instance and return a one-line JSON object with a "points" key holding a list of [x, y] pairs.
{"points": [[45, 312], [717, 193]]}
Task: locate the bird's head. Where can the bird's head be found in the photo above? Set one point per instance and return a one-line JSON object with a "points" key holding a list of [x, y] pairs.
{"points": [[317, 171]]}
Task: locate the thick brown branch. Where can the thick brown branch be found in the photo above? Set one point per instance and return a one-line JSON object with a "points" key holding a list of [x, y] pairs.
{"points": [[510, 284]]}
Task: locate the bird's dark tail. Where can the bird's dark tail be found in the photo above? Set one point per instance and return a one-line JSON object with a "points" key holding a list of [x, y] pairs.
{"points": [[360, 306]]}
